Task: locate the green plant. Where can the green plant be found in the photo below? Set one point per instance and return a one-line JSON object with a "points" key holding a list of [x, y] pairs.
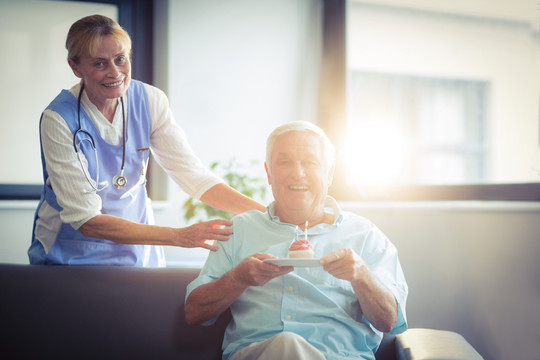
{"points": [[237, 176]]}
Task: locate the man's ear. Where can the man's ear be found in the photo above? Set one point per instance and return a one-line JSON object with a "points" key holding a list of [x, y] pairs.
{"points": [[267, 174], [75, 68], [331, 174]]}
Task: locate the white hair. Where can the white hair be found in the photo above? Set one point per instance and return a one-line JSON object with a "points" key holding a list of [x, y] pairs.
{"points": [[301, 126]]}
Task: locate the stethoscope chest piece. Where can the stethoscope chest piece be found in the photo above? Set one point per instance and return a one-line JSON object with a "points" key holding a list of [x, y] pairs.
{"points": [[119, 181]]}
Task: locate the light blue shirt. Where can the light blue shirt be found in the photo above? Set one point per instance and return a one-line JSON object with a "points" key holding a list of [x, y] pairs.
{"points": [[308, 301]]}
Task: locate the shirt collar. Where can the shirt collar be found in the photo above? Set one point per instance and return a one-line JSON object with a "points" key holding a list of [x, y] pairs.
{"points": [[330, 206]]}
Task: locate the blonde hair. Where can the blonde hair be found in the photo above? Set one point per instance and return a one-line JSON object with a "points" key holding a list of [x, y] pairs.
{"points": [[84, 36], [301, 126]]}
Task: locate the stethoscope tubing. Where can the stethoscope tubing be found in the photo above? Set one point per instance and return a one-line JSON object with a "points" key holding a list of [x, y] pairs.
{"points": [[119, 181]]}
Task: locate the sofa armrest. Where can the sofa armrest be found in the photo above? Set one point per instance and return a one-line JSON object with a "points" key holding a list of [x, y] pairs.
{"points": [[430, 344]]}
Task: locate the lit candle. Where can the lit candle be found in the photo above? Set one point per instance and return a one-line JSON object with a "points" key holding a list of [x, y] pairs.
{"points": [[306, 229], [296, 233]]}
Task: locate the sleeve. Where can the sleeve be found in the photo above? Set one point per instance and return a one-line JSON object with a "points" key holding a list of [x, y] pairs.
{"points": [[172, 150], [217, 264], [381, 256], [73, 192]]}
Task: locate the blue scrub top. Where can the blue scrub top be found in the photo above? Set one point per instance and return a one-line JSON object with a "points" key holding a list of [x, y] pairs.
{"points": [[70, 246]]}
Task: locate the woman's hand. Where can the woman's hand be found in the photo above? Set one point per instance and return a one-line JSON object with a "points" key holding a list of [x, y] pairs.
{"points": [[128, 232], [196, 235]]}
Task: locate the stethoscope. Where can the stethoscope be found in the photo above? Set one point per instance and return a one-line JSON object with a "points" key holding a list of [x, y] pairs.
{"points": [[119, 181]]}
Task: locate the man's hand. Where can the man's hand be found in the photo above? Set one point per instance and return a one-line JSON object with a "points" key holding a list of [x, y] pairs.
{"points": [[344, 264], [377, 302], [253, 271], [211, 299]]}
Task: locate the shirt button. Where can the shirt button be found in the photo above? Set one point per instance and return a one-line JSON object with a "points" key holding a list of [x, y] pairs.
{"points": [[288, 317], [291, 288]]}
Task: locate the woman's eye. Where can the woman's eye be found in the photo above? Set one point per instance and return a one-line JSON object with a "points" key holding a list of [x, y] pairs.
{"points": [[121, 60], [99, 64]]}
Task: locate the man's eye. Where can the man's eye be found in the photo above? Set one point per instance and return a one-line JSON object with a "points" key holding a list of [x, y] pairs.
{"points": [[311, 164], [283, 163]]}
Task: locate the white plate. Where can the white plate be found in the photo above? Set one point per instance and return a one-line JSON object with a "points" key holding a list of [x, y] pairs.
{"points": [[294, 262]]}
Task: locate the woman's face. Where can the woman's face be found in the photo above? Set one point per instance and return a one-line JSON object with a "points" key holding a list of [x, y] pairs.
{"points": [[107, 75]]}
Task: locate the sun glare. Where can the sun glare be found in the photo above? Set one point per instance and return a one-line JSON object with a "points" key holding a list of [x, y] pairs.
{"points": [[373, 154]]}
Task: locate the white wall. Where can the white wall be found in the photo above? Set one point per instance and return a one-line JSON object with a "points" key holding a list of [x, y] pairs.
{"points": [[471, 267], [232, 73], [236, 71]]}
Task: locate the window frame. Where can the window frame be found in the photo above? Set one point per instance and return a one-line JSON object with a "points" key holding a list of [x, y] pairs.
{"points": [[332, 118]]}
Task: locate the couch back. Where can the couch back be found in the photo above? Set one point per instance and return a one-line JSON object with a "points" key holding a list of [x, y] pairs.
{"points": [[95, 312], [101, 312]]}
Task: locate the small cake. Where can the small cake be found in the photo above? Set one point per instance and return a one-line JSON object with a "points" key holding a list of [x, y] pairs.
{"points": [[301, 249]]}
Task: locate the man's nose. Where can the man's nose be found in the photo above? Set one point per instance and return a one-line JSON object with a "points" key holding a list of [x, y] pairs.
{"points": [[298, 170]]}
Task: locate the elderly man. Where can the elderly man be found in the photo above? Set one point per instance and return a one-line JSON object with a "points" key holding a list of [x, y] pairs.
{"points": [[336, 310]]}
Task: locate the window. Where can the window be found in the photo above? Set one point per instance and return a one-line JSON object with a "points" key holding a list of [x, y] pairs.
{"points": [[423, 130], [441, 100]]}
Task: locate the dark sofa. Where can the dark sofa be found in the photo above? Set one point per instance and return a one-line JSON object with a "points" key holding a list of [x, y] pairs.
{"points": [[95, 312]]}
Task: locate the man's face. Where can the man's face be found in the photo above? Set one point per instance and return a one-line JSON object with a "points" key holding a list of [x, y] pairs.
{"points": [[299, 176]]}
